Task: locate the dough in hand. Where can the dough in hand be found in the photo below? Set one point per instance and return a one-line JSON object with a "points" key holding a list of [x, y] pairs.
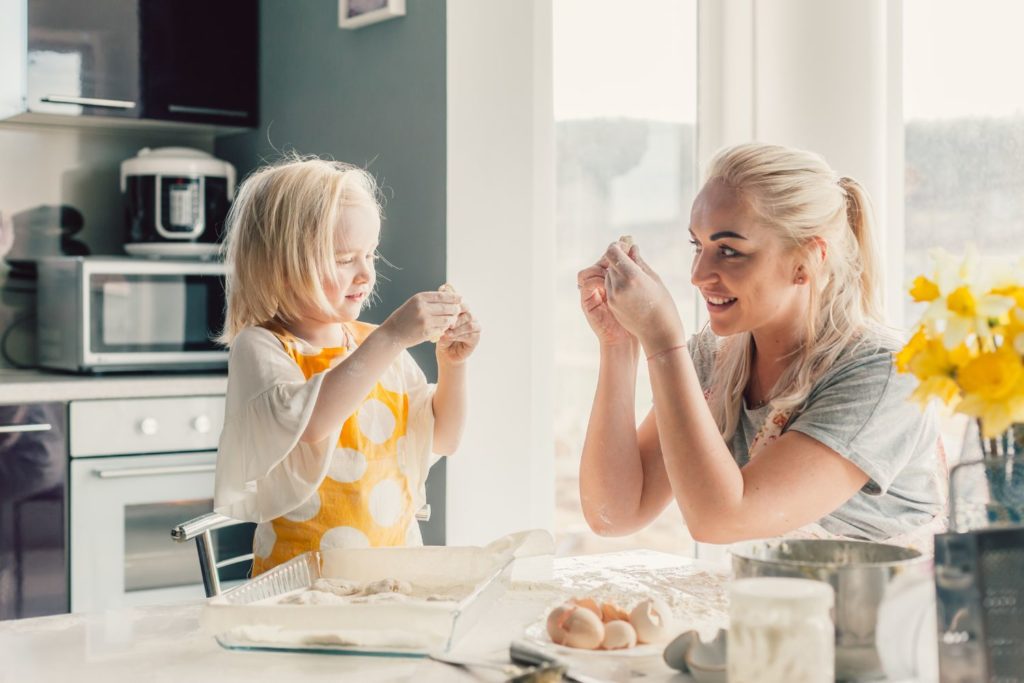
{"points": [[444, 289], [627, 242]]}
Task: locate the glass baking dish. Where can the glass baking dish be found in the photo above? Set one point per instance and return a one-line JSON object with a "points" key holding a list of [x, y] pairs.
{"points": [[247, 617]]}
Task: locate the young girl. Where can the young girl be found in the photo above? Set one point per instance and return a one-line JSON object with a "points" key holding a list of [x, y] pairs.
{"points": [[787, 416], [329, 424]]}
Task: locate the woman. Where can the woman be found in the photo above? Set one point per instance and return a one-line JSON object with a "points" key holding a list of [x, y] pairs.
{"points": [[786, 417]]}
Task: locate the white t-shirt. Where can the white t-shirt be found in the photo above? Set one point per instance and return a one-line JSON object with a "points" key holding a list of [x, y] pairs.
{"points": [[263, 470]]}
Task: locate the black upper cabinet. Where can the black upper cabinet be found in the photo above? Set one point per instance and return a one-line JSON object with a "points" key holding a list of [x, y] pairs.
{"points": [[193, 61], [200, 60]]}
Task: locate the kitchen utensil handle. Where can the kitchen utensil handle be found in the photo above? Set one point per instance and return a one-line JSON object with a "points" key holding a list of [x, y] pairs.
{"points": [[153, 471], [210, 111], [17, 429], [186, 531], [423, 514], [521, 652], [524, 653], [101, 102]]}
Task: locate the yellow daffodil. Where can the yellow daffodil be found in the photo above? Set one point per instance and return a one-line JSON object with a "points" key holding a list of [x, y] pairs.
{"points": [[993, 387], [924, 289], [933, 365], [912, 348], [961, 307], [943, 388], [968, 347]]}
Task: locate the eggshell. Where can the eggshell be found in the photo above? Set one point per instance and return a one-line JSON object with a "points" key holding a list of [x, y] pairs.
{"points": [[575, 626], [618, 635], [587, 603], [612, 612], [652, 620]]}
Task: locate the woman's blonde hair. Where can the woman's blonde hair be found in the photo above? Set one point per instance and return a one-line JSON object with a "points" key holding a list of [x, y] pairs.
{"points": [[279, 242], [798, 196]]}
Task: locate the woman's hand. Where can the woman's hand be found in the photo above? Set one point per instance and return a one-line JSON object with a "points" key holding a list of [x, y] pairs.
{"points": [[424, 316], [639, 300], [594, 302], [459, 340]]}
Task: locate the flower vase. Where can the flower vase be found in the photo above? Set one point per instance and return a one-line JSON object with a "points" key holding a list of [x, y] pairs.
{"points": [[987, 487], [1004, 472]]}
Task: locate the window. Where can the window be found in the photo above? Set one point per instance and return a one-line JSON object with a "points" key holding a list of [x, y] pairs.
{"points": [[964, 125], [625, 83]]}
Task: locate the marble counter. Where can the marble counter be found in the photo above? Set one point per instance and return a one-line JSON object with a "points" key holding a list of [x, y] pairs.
{"points": [[165, 643], [32, 386]]}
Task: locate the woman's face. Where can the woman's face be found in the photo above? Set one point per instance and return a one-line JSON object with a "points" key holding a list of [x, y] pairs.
{"points": [[355, 241], [746, 274]]}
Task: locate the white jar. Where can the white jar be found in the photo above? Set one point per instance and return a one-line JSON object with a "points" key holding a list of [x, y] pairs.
{"points": [[781, 631]]}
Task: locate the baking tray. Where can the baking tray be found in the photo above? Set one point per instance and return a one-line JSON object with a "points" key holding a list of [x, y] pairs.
{"points": [[245, 618]]}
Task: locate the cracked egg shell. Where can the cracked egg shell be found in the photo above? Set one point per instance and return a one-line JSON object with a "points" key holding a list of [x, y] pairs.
{"points": [[618, 635], [587, 603], [612, 612], [575, 626], [652, 620]]}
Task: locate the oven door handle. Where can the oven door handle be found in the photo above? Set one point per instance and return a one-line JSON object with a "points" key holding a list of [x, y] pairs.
{"points": [[18, 429], [153, 471]]}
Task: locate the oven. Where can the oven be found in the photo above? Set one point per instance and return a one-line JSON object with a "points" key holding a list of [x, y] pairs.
{"points": [[138, 468]]}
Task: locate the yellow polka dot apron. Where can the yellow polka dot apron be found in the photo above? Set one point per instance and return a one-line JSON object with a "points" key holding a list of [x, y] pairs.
{"points": [[365, 499]]}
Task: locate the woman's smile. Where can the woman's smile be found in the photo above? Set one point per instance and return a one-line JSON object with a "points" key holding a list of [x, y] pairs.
{"points": [[718, 303]]}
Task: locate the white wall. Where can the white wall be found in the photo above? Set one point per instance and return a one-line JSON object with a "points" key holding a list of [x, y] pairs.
{"points": [[501, 243], [822, 75], [51, 165]]}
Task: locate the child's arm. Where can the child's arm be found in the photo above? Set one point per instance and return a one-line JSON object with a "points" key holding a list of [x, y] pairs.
{"points": [[347, 384], [449, 402]]}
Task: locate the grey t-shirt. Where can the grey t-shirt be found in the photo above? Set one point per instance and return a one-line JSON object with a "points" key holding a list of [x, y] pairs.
{"points": [[861, 410]]}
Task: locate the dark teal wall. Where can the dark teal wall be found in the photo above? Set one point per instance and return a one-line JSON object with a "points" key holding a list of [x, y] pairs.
{"points": [[375, 97]]}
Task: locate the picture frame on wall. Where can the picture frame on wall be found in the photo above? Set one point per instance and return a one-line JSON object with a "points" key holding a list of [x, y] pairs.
{"points": [[359, 13]]}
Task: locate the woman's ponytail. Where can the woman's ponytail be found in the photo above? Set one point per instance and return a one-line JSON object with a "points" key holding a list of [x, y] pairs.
{"points": [[859, 216]]}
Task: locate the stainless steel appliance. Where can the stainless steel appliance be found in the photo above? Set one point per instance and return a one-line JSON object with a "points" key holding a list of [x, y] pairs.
{"points": [[979, 587], [138, 467], [858, 571], [101, 314], [175, 200], [33, 510]]}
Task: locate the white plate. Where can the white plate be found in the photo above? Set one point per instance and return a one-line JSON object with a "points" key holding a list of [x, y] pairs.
{"points": [[189, 249], [537, 633]]}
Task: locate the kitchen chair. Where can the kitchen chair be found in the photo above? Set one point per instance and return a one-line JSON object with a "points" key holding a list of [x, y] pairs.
{"points": [[200, 529]]}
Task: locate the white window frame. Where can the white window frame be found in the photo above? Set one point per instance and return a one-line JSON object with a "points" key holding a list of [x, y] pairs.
{"points": [[798, 72]]}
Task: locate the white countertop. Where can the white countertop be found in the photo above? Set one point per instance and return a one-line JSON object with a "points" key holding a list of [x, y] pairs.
{"points": [[32, 386], [166, 644]]}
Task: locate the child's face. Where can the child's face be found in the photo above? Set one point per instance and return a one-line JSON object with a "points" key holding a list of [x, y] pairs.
{"points": [[355, 251]]}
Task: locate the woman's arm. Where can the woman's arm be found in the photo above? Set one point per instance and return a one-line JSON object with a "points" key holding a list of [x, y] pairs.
{"points": [[623, 485], [792, 481]]}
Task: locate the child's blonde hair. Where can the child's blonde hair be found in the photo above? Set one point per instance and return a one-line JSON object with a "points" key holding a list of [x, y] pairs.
{"points": [[279, 239], [798, 196]]}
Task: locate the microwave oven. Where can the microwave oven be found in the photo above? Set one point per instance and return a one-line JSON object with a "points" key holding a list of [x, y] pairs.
{"points": [[105, 314]]}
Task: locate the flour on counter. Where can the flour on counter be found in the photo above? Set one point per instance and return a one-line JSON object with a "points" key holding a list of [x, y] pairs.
{"points": [[337, 591], [696, 596]]}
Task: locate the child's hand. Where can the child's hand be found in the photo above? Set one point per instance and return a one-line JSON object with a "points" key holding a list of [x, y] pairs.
{"points": [[458, 342], [424, 316]]}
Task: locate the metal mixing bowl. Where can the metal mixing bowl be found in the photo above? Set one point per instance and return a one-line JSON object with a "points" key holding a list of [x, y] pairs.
{"points": [[858, 571]]}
